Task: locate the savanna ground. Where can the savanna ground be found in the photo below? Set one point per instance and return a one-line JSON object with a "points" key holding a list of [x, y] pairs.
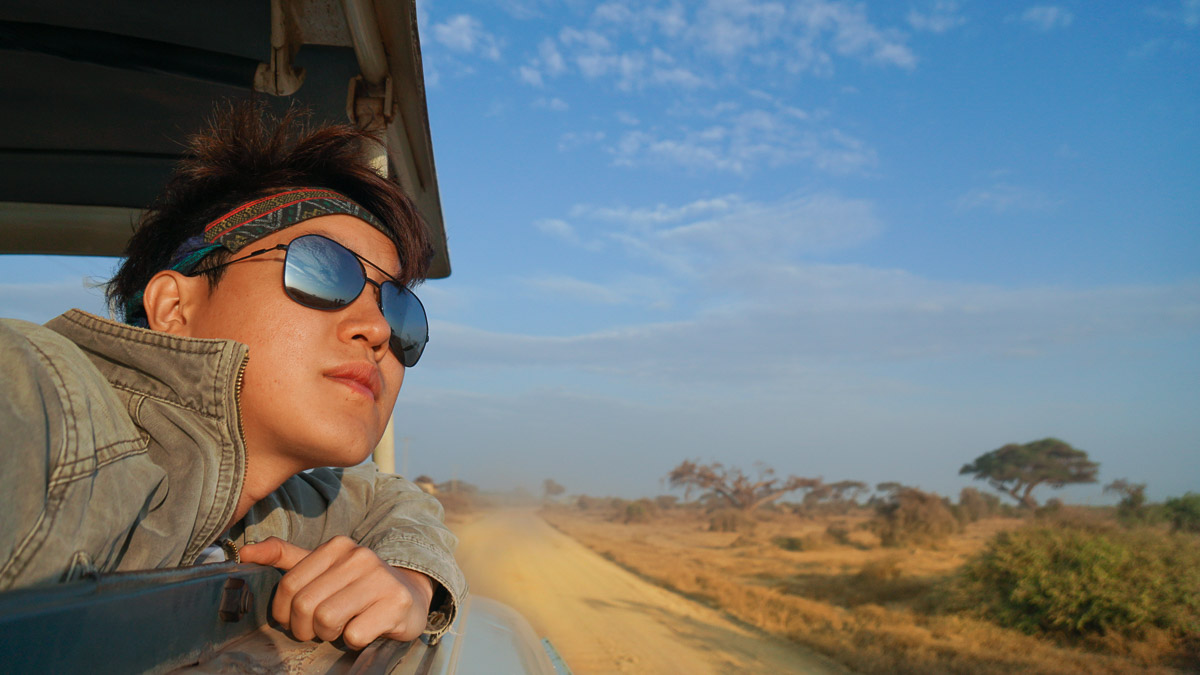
{"points": [[826, 583], [604, 619]]}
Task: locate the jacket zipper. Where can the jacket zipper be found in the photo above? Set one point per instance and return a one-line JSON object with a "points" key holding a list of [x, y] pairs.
{"points": [[230, 548]]}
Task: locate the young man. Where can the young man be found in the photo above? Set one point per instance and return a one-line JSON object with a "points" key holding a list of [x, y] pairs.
{"points": [[268, 325]]}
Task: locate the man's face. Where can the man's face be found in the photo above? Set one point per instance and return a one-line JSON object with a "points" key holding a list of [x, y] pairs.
{"points": [[320, 385]]}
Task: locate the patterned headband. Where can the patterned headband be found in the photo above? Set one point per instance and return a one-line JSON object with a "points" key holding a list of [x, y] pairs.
{"points": [[252, 221]]}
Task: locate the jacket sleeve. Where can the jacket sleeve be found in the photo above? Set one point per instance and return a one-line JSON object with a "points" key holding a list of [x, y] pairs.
{"points": [[385, 513], [75, 474]]}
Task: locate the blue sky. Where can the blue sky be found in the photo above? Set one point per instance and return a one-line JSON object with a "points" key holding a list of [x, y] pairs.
{"points": [[850, 240]]}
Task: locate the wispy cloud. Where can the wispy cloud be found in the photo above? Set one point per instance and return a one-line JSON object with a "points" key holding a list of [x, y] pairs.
{"points": [[465, 34], [1190, 13], [556, 104], [939, 16], [564, 231], [742, 140], [710, 240], [697, 44], [646, 291], [847, 314], [1047, 17], [1185, 12], [640, 217], [574, 139], [1005, 197]]}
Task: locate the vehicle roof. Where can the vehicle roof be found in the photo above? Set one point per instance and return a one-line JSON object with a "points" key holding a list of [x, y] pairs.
{"points": [[99, 95]]}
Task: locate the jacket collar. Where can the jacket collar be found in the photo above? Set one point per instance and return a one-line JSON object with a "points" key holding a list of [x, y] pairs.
{"points": [[193, 373], [195, 430]]}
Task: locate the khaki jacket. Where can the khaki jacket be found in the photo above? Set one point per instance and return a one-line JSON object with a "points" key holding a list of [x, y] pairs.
{"points": [[121, 449]]}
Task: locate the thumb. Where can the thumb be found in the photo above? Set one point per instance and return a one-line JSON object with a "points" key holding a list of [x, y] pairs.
{"points": [[274, 552]]}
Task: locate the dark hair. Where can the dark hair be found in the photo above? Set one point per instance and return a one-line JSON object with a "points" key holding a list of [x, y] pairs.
{"points": [[244, 153]]}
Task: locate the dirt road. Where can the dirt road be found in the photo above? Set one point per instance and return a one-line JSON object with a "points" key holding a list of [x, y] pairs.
{"points": [[603, 619]]}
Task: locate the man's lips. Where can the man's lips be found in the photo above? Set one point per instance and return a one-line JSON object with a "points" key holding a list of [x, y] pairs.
{"points": [[360, 376]]}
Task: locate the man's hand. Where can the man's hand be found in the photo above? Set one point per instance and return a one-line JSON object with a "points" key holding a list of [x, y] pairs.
{"points": [[343, 589]]}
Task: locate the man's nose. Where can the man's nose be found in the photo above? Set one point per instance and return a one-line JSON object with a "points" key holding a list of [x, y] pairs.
{"points": [[363, 320]]}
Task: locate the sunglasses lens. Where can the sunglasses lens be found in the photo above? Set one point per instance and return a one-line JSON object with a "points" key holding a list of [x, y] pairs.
{"points": [[321, 274], [406, 316]]}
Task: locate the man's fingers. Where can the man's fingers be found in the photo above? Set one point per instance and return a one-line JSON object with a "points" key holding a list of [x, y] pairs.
{"points": [[376, 620], [330, 618], [310, 583], [274, 552], [322, 604], [343, 589]]}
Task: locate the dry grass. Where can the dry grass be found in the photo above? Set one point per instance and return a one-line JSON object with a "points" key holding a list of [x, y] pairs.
{"points": [[873, 609]]}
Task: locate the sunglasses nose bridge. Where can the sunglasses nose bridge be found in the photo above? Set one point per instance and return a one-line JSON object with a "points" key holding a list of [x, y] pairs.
{"points": [[364, 317]]}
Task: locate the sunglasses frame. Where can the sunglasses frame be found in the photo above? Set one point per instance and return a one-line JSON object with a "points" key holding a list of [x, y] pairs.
{"points": [[398, 350]]}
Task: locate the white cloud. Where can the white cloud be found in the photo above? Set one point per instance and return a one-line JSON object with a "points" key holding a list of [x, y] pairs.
{"points": [[643, 18], [557, 228], [756, 232], [823, 314], [550, 57], [1187, 13], [638, 290], [1047, 17], [655, 215], [939, 17], [564, 231], [575, 139], [741, 141], [1005, 197], [680, 77], [729, 233], [530, 75], [850, 33], [555, 104], [465, 33], [577, 289], [698, 44]]}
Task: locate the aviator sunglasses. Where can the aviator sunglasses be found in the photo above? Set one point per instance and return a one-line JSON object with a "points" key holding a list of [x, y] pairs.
{"points": [[322, 274]]}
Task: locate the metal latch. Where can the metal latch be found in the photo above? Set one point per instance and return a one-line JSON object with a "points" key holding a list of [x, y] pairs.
{"points": [[236, 600]]}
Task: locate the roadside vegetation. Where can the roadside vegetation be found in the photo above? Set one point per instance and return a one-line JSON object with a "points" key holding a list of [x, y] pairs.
{"points": [[898, 580]]}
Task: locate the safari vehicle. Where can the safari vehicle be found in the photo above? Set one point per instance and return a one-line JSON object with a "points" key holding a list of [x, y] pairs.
{"points": [[96, 96]]}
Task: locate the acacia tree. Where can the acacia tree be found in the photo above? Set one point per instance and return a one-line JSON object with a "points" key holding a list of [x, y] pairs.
{"points": [[1017, 468], [1133, 498], [848, 490], [733, 486], [552, 488]]}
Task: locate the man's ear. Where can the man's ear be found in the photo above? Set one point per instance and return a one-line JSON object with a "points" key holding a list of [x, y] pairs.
{"points": [[172, 300]]}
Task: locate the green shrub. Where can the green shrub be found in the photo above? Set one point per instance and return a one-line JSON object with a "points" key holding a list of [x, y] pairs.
{"points": [[789, 543], [881, 569], [635, 512], [1184, 512], [912, 517], [814, 541], [974, 505], [1071, 582], [586, 503], [839, 533]]}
